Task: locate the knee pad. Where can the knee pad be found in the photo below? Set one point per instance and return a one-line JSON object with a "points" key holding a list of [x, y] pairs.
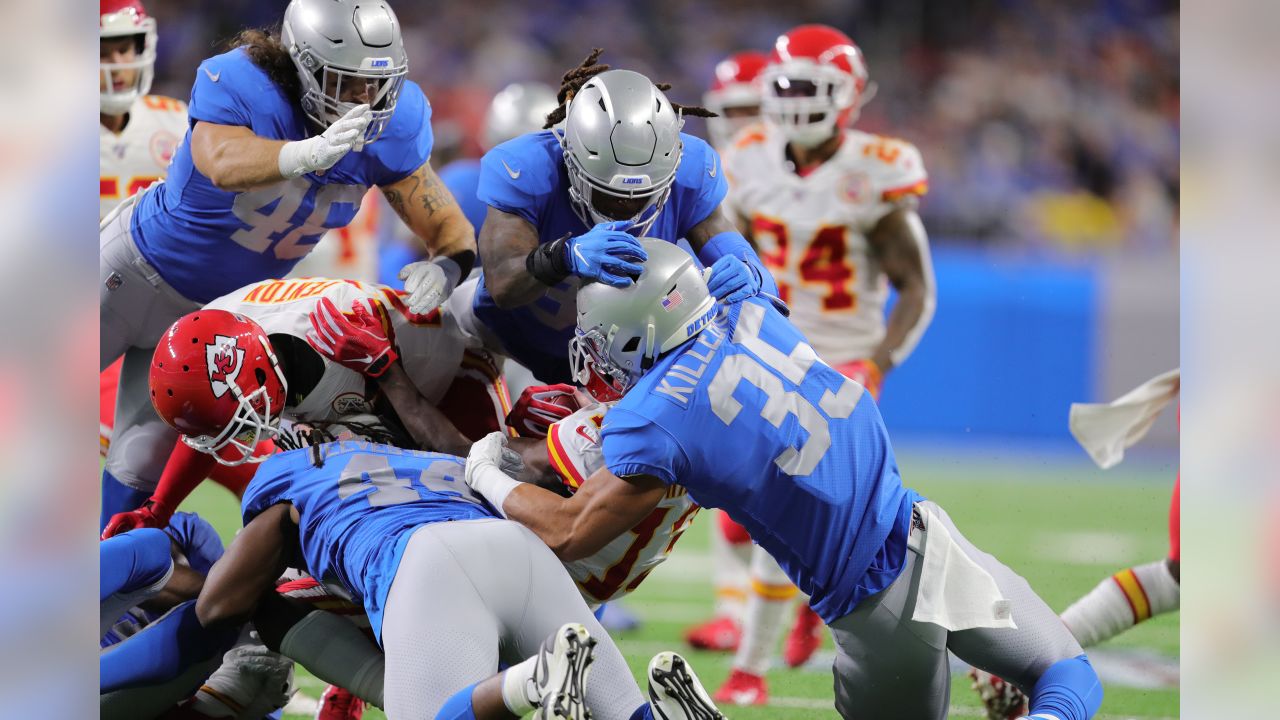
{"points": [[138, 453], [1069, 690]]}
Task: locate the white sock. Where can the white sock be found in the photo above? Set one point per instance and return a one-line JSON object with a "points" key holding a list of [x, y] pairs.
{"points": [[1122, 601], [771, 596], [729, 575], [516, 682]]}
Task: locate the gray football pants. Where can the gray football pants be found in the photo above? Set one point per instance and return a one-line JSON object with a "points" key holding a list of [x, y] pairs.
{"points": [[472, 592], [135, 307], [890, 666]]}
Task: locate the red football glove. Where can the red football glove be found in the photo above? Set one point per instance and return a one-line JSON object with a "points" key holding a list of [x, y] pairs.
{"points": [[151, 515], [866, 373], [356, 341], [541, 405]]}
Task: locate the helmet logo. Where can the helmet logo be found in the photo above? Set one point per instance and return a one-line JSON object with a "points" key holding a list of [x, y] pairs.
{"points": [[224, 358]]}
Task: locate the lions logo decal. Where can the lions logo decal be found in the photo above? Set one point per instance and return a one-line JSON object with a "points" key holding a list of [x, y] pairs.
{"points": [[224, 358]]}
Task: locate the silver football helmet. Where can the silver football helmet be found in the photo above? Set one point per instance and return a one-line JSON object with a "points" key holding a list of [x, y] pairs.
{"points": [[622, 332], [520, 108], [348, 52], [621, 140]]}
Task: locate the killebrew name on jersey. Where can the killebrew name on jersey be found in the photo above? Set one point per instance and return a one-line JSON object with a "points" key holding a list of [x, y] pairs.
{"points": [[682, 378]]}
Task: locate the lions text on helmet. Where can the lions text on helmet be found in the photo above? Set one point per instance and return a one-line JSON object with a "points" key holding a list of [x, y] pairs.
{"points": [[345, 60], [622, 146]]}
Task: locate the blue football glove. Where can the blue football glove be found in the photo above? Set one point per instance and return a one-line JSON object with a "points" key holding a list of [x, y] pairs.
{"points": [[732, 280], [604, 253]]}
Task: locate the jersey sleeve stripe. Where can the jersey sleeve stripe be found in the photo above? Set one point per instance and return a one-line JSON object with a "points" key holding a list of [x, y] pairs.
{"points": [[558, 456], [917, 188]]}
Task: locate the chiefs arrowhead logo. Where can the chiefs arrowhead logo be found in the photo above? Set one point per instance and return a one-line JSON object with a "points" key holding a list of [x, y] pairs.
{"points": [[224, 358]]}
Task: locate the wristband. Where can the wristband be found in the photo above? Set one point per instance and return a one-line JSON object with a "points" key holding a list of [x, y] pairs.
{"points": [[548, 262], [494, 485], [292, 159]]}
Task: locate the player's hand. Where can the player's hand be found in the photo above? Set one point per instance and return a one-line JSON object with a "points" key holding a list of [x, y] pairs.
{"points": [[357, 341], [606, 253], [491, 451], [151, 515], [427, 285], [731, 280], [541, 405], [326, 149], [866, 373]]}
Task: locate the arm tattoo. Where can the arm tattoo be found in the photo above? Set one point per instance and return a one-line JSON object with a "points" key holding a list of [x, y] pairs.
{"points": [[431, 195]]}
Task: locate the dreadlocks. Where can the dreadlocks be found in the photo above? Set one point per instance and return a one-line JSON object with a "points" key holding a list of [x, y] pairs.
{"points": [[575, 78]]}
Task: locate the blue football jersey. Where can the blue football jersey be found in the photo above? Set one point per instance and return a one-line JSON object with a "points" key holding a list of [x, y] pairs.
{"points": [[527, 177], [749, 419], [184, 226], [359, 507]]}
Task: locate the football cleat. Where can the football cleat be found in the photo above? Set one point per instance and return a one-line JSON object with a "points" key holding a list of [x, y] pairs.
{"points": [[675, 692], [720, 634], [743, 688], [560, 677], [338, 704], [1001, 699], [805, 637]]}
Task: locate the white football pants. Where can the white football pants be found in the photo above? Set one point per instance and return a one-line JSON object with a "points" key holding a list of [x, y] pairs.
{"points": [[471, 592]]}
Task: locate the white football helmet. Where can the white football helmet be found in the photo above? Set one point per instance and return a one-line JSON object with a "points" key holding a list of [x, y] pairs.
{"points": [[126, 18]]}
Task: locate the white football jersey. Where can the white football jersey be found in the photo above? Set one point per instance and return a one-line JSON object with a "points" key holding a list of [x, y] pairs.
{"points": [[140, 154], [812, 231], [573, 446], [431, 346]]}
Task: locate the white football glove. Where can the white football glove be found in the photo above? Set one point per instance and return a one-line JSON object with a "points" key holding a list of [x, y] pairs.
{"points": [[257, 680], [429, 282], [490, 465], [326, 149]]}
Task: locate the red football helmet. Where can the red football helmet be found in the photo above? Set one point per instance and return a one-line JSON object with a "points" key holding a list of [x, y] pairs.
{"points": [[215, 379], [126, 18], [814, 85], [734, 95]]}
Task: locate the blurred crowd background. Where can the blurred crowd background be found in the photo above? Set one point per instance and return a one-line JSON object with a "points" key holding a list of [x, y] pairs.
{"points": [[1045, 124]]}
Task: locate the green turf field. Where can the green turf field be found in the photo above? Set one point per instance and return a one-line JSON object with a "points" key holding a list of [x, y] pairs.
{"points": [[1064, 526]]}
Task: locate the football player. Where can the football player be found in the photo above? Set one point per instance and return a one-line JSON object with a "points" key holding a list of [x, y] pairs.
{"points": [[566, 206], [430, 562], [138, 131], [286, 134], [229, 373], [731, 402], [833, 212], [517, 109], [147, 572], [735, 97]]}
